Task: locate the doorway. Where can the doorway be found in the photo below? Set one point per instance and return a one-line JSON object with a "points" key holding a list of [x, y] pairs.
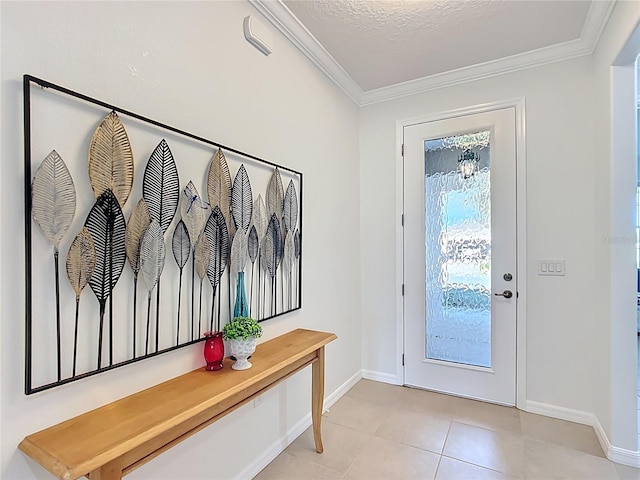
{"points": [[460, 255]]}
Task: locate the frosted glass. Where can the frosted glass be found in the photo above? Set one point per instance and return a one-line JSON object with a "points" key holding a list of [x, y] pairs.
{"points": [[458, 258]]}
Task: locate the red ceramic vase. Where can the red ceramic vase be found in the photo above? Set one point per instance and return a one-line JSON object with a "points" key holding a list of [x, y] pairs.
{"points": [[214, 351]]}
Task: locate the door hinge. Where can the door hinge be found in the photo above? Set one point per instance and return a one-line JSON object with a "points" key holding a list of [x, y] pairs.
{"points": [[402, 219], [403, 289], [403, 359], [402, 150]]}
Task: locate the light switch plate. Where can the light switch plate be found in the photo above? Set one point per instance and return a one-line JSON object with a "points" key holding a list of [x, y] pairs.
{"points": [[554, 268]]}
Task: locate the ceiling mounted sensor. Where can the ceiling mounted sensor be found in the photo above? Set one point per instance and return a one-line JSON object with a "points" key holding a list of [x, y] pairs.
{"points": [[250, 28]]}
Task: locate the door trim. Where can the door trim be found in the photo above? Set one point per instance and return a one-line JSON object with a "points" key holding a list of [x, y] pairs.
{"points": [[521, 241]]}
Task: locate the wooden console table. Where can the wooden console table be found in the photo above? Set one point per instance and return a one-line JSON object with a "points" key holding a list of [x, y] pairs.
{"points": [[115, 439]]}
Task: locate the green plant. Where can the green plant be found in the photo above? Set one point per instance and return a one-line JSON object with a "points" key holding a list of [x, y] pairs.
{"points": [[241, 327]]}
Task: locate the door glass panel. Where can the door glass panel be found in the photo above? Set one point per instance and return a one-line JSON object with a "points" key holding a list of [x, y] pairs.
{"points": [[458, 249]]}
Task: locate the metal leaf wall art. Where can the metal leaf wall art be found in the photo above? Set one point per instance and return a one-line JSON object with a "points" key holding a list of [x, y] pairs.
{"points": [[243, 215], [53, 206]]}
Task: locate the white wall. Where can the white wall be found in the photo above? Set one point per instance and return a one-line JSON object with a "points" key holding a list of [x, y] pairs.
{"points": [[186, 64], [560, 223]]}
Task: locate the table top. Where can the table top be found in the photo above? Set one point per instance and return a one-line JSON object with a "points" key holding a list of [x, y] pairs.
{"points": [[79, 445]]}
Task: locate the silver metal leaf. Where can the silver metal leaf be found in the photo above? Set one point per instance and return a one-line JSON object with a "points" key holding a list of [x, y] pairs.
{"points": [[161, 185], [139, 220], [288, 253], [111, 159], [242, 200], [202, 255], [275, 195], [81, 261], [194, 212], [260, 219], [290, 210], [152, 255], [53, 198], [239, 252], [180, 244]]}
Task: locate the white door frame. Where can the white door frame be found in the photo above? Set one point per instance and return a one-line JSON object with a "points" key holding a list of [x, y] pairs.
{"points": [[622, 282], [521, 257]]}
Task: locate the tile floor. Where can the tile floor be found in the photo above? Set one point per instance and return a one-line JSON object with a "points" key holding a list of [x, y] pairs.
{"points": [[379, 431]]}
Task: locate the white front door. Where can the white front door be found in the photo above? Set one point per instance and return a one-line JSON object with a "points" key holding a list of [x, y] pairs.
{"points": [[460, 255]]}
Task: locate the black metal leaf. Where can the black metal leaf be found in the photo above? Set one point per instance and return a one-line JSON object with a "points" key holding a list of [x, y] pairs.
{"points": [[273, 246], [242, 200], [106, 225], [252, 244], [161, 185], [218, 237], [290, 212], [181, 245], [297, 242]]}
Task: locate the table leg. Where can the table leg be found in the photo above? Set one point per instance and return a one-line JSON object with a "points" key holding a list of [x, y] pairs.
{"points": [[109, 471], [317, 398]]}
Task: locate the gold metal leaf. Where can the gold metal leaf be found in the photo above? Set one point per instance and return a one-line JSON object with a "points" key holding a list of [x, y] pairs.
{"points": [[81, 261], [111, 159], [138, 223], [219, 187], [202, 255]]}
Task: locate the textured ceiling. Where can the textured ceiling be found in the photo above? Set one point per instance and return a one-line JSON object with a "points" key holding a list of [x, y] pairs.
{"points": [[383, 43]]}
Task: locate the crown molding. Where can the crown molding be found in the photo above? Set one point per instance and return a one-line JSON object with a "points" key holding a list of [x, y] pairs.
{"points": [[281, 17]]}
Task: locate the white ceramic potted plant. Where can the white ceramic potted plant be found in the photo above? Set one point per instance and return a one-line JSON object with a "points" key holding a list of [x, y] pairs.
{"points": [[241, 334]]}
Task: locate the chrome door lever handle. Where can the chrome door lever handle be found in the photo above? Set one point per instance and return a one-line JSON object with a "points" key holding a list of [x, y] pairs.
{"points": [[505, 294]]}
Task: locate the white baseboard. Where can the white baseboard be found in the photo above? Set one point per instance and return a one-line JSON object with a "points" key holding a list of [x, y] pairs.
{"points": [[381, 377], [277, 447], [560, 413], [613, 453], [341, 390]]}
